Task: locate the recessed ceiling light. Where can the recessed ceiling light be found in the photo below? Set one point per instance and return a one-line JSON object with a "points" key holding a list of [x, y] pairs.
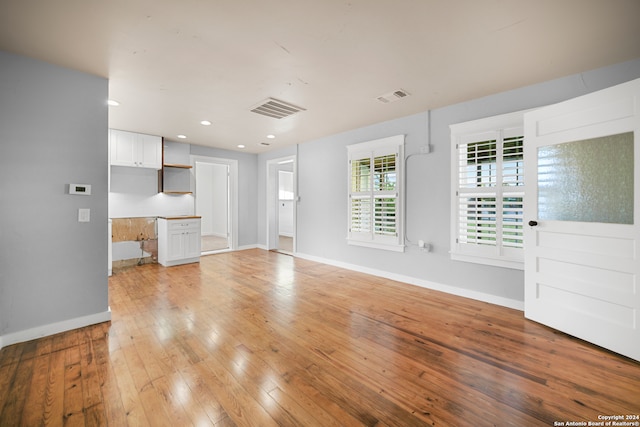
{"points": [[205, 123], [271, 136], [182, 136], [112, 103], [240, 146]]}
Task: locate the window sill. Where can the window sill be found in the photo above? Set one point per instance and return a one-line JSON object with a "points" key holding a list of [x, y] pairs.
{"points": [[369, 244], [511, 263]]}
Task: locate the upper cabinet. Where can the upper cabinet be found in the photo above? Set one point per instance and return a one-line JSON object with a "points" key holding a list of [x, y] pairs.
{"points": [[135, 149]]}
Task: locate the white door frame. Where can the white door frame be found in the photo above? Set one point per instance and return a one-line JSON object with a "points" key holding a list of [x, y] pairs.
{"points": [[273, 166], [232, 189]]}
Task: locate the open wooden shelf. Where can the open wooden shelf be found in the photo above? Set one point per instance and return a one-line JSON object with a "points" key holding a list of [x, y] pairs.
{"points": [[178, 170]]}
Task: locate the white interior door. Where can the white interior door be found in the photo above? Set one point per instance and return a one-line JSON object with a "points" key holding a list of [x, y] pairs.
{"points": [[286, 204], [581, 245]]}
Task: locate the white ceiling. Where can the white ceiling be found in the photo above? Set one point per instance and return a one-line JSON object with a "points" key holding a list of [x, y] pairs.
{"points": [[174, 63]]}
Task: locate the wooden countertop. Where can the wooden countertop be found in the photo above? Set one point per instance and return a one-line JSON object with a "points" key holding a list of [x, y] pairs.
{"points": [[179, 217]]}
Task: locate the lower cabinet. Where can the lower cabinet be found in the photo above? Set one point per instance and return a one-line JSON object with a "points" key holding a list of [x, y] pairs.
{"points": [[178, 240]]}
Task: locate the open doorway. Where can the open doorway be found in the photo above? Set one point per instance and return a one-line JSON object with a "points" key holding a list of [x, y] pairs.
{"points": [[285, 210], [281, 204], [215, 202]]}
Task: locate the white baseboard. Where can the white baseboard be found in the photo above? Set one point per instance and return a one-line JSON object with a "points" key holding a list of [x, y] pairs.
{"points": [[54, 328], [245, 247], [466, 293]]}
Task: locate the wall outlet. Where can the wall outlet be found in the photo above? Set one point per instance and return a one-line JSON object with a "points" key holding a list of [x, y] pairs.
{"points": [[84, 215], [425, 247]]}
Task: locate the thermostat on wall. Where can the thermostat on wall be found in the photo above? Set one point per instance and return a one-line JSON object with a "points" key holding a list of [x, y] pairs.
{"points": [[82, 189]]}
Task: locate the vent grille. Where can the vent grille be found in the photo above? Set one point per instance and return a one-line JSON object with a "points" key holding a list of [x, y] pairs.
{"points": [[393, 96], [276, 108]]}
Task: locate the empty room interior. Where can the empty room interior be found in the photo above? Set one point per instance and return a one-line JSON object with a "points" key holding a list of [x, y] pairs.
{"points": [[335, 213]]}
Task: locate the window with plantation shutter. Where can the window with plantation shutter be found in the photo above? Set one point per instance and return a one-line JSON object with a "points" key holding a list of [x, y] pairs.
{"points": [[375, 193], [488, 191]]}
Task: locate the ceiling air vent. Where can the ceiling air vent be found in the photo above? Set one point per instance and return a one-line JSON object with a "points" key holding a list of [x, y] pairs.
{"points": [[393, 96], [276, 108]]}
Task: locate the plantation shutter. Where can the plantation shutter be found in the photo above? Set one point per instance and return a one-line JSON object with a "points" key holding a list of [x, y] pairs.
{"points": [[374, 193], [360, 195], [489, 194], [477, 177], [512, 188], [385, 195]]}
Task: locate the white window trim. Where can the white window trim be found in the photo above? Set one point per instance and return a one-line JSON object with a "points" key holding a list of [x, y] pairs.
{"points": [[392, 144], [489, 255]]}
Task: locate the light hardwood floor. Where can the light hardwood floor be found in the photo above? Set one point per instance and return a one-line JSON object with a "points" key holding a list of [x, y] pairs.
{"points": [[257, 338], [213, 243], [285, 244]]}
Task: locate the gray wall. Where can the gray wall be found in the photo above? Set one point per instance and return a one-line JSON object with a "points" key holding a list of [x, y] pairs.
{"points": [[53, 131], [322, 209], [247, 190]]}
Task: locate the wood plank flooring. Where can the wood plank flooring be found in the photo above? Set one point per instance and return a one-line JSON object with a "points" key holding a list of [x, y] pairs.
{"points": [[258, 338]]}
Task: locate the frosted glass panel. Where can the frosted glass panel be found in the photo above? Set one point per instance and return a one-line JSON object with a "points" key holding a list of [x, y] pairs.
{"points": [[588, 181]]}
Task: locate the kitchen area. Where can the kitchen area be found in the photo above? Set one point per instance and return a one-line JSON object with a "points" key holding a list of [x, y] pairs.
{"points": [[151, 204]]}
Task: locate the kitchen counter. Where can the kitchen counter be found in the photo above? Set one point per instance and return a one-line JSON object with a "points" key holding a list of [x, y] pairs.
{"points": [[179, 217], [178, 239]]}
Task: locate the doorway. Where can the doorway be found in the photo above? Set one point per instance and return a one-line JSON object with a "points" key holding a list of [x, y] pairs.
{"points": [[281, 205], [285, 210], [215, 202]]}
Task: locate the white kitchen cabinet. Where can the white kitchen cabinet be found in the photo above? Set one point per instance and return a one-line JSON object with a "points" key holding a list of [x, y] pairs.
{"points": [[178, 240], [135, 149]]}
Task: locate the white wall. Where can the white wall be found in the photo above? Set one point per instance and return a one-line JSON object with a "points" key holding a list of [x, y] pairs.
{"points": [[53, 131], [322, 210], [204, 201], [220, 197], [212, 200], [134, 193]]}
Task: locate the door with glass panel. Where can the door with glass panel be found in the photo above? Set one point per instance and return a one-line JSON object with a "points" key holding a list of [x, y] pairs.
{"points": [[581, 240]]}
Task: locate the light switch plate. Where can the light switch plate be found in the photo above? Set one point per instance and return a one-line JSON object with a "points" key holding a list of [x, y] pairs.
{"points": [[84, 215]]}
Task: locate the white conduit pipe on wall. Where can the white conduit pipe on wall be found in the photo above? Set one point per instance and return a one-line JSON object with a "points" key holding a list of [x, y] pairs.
{"points": [[424, 149]]}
